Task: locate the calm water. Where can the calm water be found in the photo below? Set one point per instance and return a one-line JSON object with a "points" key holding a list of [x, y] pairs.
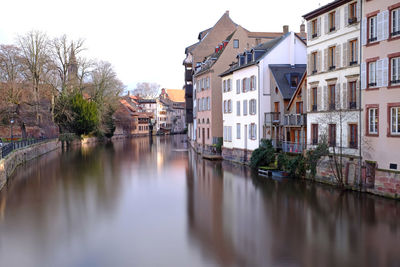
{"points": [[142, 203]]}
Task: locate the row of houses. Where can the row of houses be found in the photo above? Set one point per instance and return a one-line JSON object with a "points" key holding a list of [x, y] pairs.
{"points": [[137, 116], [338, 83]]}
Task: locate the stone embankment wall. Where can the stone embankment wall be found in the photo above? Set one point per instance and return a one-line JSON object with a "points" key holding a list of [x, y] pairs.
{"points": [[19, 156], [237, 155]]}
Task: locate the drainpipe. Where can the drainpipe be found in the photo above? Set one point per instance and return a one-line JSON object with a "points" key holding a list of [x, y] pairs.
{"points": [[360, 98]]}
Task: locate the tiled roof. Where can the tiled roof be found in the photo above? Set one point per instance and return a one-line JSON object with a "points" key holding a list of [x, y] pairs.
{"points": [[282, 74], [176, 95]]}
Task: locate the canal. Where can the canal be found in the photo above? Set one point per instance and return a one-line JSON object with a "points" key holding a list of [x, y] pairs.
{"points": [[149, 202]]}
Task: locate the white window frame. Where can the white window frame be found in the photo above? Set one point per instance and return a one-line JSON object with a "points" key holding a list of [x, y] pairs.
{"points": [[245, 107], [238, 86], [395, 69], [372, 114], [394, 125], [371, 73], [238, 130], [395, 21], [372, 28], [237, 108]]}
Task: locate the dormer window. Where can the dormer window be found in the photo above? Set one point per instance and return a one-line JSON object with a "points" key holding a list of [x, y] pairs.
{"points": [[293, 81], [249, 57]]}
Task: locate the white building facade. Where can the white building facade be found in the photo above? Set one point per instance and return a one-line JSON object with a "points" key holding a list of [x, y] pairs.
{"points": [[249, 95], [333, 82]]}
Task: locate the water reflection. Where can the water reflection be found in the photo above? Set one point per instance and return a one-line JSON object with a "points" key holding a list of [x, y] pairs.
{"points": [[149, 202]]}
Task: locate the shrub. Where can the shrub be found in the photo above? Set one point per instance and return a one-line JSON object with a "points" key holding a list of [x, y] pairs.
{"points": [[86, 117], [314, 156], [264, 155]]}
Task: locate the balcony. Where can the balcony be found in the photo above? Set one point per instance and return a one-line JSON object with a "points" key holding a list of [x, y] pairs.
{"points": [[332, 29], [293, 147], [188, 75], [332, 67], [352, 20], [295, 120], [352, 105], [272, 118], [314, 35], [353, 63], [314, 108]]}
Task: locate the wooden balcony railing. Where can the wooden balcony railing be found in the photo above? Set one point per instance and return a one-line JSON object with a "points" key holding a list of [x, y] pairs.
{"points": [[272, 118], [295, 120]]}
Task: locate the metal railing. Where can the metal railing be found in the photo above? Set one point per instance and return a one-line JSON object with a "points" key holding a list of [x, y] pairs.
{"points": [[295, 120], [272, 118], [293, 147], [7, 148]]}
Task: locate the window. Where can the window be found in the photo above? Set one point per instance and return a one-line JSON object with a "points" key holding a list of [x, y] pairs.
{"points": [[253, 131], [293, 81], [395, 20], [229, 106], [314, 134], [332, 135], [253, 83], [208, 103], [314, 62], [331, 57], [236, 43], [229, 83], [373, 121], [237, 108], [352, 95], [237, 130], [395, 120], [332, 97], [353, 140], [314, 99], [224, 86], [352, 13], [372, 74], [244, 82], [244, 107], [332, 21], [395, 70], [372, 32], [252, 107], [353, 52], [237, 86], [225, 106], [299, 107], [314, 28], [228, 133]]}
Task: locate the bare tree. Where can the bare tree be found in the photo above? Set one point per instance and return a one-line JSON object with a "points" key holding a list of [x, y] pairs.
{"points": [[35, 56], [11, 73], [85, 67], [147, 90], [64, 52]]}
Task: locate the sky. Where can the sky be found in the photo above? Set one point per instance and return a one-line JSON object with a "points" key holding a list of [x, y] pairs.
{"points": [[144, 40]]}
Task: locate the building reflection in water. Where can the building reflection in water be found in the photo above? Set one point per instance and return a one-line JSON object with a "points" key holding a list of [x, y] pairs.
{"points": [[240, 219]]}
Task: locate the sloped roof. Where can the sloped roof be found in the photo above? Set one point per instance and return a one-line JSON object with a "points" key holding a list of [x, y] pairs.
{"points": [[298, 89], [176, 95], [282, 74], [271, 35]]}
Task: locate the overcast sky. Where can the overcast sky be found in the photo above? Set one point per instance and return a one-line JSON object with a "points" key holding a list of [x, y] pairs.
{"points": [[144, 40]]}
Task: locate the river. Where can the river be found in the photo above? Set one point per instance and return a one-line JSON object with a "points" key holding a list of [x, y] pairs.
{"points": [[150, 202]]}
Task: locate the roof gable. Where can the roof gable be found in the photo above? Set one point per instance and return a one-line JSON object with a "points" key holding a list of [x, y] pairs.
{"points": [[283, 74]]}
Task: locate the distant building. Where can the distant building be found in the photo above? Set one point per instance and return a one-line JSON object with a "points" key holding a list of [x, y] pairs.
{"points": [[171, 111]]}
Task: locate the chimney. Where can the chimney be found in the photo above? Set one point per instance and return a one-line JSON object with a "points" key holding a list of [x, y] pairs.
{"points": [[227, 12], [302, 28], [285, 29]]}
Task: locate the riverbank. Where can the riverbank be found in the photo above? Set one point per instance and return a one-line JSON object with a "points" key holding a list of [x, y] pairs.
{"points": [[384, 184], [20, 156]]}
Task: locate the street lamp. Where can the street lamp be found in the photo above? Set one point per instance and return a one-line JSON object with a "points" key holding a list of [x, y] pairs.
{"points": [[11, 130]]}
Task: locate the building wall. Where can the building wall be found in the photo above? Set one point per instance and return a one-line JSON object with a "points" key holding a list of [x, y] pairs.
{"points": [[340, 76], [380, 148]]}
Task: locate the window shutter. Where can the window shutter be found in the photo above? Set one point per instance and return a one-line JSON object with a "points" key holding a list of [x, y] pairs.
{"points": [[346, 15], [379, 74], [249, 131], [363, 75], [309, 30], [337, 50], [337, 19], [358, 10], [248, 84], [309, 99], [385, 24], [358, 94], [385, 71], [319, 98], [379, 26], [364, 32], [344, 96], [325, 99], [338, 93], [255, 131], [326, 59], [346, 51], [319, 61], [319, 26], [309, 63], [326, 23]]}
